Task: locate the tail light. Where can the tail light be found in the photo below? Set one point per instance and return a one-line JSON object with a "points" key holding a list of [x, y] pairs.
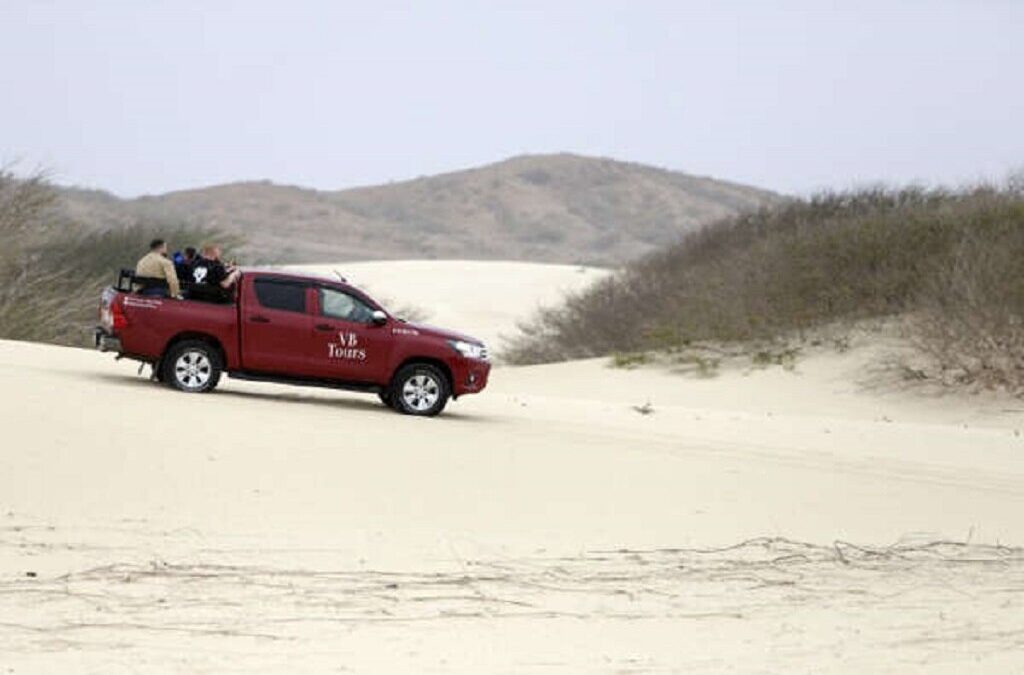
{"points": [[118, 318], [112, 315]]}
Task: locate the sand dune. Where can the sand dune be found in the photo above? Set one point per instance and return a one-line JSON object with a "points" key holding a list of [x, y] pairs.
{"points": [[487, 298], [746, 524]]}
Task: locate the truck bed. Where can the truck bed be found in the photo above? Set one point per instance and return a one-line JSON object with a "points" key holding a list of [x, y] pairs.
{"points": [[154, 321]]}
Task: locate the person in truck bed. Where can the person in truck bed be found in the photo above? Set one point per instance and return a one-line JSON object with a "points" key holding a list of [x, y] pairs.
{"points": [[211, 278], [157, 273], [183, 262]]}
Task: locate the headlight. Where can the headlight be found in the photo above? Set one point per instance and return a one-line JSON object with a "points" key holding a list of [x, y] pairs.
{"points": [[469, 349]]}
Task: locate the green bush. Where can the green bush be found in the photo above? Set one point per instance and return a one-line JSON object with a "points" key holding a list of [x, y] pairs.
{"points": [[952, 261], [629, 360]]}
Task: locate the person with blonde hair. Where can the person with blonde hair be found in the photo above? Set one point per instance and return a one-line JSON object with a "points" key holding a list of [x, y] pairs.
{"points": [[208, 269]]}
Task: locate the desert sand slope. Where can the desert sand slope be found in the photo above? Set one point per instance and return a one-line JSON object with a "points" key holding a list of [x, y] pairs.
{"points": [[546, 525]]}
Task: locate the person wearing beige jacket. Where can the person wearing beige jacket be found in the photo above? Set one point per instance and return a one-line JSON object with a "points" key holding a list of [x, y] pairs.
{"points": [[156, 265]]}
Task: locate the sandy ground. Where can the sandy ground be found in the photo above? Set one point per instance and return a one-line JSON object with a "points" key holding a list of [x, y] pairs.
{"points": [[759, 521]]}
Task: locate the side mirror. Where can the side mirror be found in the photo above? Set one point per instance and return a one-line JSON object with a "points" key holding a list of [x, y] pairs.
{"points": [[378, 318]]}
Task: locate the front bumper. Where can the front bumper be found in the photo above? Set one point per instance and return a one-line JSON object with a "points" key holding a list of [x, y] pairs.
{"points": [[105, 342], [470, 376]]}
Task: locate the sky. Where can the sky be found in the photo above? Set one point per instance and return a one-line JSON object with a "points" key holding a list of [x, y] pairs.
{"points": [[140, 97]]}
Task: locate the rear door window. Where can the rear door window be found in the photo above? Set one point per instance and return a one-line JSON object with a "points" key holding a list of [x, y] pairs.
{"points": [[283, 295]]}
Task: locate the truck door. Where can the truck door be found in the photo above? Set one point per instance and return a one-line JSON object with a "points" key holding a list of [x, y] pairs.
{"points": [[347, 344], [276, 325]]}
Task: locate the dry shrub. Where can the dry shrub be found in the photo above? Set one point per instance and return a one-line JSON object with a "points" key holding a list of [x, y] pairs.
{"points": [[970, 321], [52, 271], [952, 259]]}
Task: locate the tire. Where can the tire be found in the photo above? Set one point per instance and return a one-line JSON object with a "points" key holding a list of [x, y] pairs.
{"points": [[192, 366], [420, 389]]}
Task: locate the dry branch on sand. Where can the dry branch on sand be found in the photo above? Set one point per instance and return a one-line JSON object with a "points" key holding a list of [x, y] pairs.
{"points": [[760, 577]]}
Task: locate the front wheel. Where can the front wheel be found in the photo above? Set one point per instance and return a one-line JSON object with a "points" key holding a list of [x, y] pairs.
{"points": [[192, 366], [420, 389]]}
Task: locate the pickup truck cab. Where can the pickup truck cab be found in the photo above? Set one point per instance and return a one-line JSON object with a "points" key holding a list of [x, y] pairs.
{"points": [[292, 328]]}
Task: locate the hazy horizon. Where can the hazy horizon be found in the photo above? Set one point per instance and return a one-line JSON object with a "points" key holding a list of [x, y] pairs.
{"points": [[144, 98]]}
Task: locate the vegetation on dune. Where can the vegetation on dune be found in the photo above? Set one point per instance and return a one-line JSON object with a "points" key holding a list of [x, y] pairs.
{"points": [[949, 263], [52, 270]]}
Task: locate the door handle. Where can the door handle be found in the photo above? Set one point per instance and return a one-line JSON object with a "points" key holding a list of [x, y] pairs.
{"points": [[256, 318], [324, 326]]}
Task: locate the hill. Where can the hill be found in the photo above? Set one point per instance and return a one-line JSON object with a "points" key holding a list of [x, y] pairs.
{"points": [[549, 208]]}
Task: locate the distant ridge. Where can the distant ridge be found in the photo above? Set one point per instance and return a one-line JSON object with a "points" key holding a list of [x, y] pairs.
{"points": [[551, 208]]}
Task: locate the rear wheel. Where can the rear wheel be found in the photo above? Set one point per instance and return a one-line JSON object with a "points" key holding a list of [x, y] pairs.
{"points": [[192, 366], [420, 389]]}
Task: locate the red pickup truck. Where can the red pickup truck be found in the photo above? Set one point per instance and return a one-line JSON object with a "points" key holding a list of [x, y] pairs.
{"points": [[296, 329]]}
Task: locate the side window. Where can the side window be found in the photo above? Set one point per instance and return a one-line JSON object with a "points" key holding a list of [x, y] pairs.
{"points": [[283, 295], [340, 305]]}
